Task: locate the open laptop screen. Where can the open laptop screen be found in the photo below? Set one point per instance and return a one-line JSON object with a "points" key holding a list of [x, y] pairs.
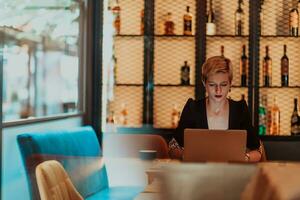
{"points": [[203, 145]]}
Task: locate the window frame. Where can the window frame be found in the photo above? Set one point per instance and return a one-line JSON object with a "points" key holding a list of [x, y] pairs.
{"points": [[84, 44]]}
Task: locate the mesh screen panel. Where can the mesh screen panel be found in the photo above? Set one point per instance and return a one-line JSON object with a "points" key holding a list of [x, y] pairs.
{"points": [[165, 98], [130, 15], [275, 34], [224, 11], [285, 102], [132, 98], [177, 8], [129, 52], [275, 17], [276, 52], [232, 50], [169, 56]]}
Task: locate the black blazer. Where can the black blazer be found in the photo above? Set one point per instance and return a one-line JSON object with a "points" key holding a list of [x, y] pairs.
{"points": [[194, 116]]}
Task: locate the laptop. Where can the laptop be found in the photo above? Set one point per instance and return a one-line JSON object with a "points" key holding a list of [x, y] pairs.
{"points": [[203, 145]]}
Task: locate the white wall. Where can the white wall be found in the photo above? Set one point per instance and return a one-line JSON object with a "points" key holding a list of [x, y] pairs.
{"points": [[14, 182]]}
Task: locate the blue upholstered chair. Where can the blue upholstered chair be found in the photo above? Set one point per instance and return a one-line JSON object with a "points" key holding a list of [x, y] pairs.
{"points": [[80, 154]]}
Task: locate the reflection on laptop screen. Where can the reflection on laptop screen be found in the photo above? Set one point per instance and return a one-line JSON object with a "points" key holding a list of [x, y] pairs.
{"points": [[203, 145]]}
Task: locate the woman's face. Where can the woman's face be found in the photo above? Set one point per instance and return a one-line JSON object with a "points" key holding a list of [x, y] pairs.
{"points": [[217, 86]]}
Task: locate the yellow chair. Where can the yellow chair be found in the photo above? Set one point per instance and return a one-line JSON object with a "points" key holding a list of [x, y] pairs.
{"points": [[54, 183], [263, 152]]}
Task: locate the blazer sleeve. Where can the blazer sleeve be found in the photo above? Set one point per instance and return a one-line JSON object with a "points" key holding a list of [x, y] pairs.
{"points": [[252, 138], [186, 121]]}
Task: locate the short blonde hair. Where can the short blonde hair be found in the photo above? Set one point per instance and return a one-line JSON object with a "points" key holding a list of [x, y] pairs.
{"points": [[214, 65]]}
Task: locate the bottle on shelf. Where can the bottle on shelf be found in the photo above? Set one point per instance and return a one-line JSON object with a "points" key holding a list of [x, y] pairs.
{"points": [[185, 74], [262, 113], [267, 69], [187, 22], [142, 21], [244, 67], [243, 97], [284, 68], [210, 20], [239, 19], [295, 119], [275, 119], [222, 51], [123, 120], [116, 9], [110, 123], [175, 116], [169, 25], [294, 21]]}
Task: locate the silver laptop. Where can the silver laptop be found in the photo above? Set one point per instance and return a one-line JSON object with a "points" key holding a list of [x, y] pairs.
{"points": [[203, 145]]}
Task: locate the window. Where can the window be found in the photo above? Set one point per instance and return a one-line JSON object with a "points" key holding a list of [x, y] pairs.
{"points": [[41, 57]]}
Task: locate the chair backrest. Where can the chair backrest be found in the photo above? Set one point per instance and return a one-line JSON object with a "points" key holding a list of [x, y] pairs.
{"points": [[54, 183], [77, 149], [263, 152], [129, 145]]}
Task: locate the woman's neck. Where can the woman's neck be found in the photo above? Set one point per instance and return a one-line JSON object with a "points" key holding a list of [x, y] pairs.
{"points": [[216, 107]]}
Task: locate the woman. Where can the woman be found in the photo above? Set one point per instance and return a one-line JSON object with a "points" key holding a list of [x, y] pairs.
{"points": [[216, 111]]}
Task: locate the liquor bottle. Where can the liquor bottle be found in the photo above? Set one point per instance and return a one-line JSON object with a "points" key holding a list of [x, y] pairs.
{"points": [[142, 21], [244, 67], [117, 22], [124, 115], [239, 19], [169, 25], [267, 69], [185, 74], [187, 22], [222, 51], [294, 119], [294, 21], [275, 119], [262, 113], [210, 20], [175, 116], [243, 97], [284, 68]]}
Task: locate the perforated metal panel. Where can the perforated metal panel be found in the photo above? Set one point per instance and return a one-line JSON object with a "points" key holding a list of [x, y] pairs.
{"points": [[276, 52], [275, 17], [224, 11], [130, 15], [165, 99], [275, 33], [169, 56], [129, 52], [236, 93], [285, 102], [132, 98], [177, 8], [232, 50]]}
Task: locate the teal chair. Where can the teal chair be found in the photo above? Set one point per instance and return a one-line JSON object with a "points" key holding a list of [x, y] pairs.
{"points": [[80, 154]]}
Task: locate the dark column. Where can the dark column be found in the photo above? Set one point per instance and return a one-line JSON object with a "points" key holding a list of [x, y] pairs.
{"points": [[253, 93], [148, 62], [200, 53]]}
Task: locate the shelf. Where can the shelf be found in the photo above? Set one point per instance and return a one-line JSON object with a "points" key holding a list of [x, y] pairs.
{"points": [[175, 36], [227, 36], [238, 86], [280, 36], [129, 84], [127, 36], [280, 138], [172, 85], [280, 87]]}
